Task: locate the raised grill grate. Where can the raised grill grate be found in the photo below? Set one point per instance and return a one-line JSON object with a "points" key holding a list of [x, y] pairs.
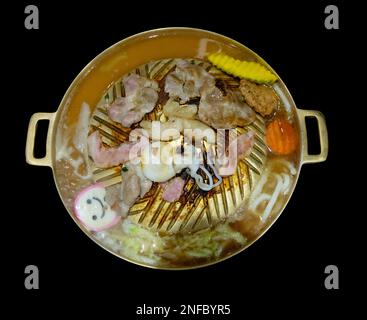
{"points": [[196, 210]]}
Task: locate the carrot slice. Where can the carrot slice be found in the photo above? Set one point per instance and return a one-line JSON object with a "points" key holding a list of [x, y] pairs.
{"points": [[281, 137]]}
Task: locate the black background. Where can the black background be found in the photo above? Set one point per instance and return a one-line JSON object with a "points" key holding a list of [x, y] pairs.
{"points": [[285, 268]]}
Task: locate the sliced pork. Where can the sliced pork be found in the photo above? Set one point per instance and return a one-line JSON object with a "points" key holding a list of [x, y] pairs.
{"points": [[173, 189], [238, 148], [113, 196], [141, 96], [245, 143], [223, 110], [108, 157], [134, 185], [186, 81]]}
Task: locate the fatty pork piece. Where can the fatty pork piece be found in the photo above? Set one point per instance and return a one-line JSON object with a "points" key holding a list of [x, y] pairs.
{"points": [[174, 109], [173, 189], [108, 157], [239, 148], [134, 185], [261, 98], [186, 81], [223, 111], [141, 95]]}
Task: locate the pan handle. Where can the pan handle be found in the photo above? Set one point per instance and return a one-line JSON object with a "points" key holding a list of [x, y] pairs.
{"points": [[32, 129], [323, 136]]}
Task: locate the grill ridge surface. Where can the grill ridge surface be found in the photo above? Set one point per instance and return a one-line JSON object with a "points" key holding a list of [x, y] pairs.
{"points": [[195, 210]]}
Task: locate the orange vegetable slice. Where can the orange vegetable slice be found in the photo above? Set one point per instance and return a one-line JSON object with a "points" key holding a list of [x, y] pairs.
{"points": [[281, 137]]}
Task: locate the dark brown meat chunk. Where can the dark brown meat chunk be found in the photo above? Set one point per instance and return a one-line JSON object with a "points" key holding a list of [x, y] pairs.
{"points": [[261, 98]]}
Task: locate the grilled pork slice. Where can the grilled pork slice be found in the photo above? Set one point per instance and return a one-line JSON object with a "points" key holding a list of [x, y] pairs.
{"points": [[223, 110], [141, 96], [186, 81], [173, 189], [134, 185], [108, 157], [239, 148]]}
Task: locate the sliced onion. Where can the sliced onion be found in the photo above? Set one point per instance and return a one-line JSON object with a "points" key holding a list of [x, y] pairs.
{"points": [[286, 183], [199, 181], [263, 197], [259, 186], [82, 127], [216, 174], [290, 166], [273, 199]]}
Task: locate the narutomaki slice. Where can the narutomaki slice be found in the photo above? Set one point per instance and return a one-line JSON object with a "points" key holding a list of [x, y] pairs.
{"points": [[92, 210]]}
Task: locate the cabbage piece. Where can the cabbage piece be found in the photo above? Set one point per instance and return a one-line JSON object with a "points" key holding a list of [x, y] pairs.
{"points": [[142, 245]]}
